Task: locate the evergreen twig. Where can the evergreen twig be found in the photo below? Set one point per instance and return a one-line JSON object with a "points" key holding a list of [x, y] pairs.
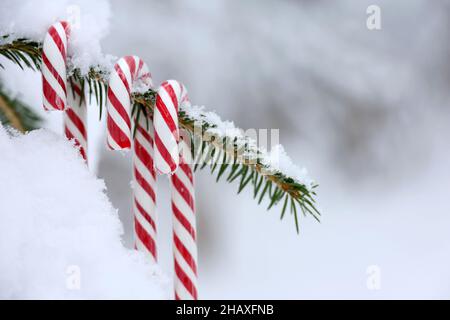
{"points": [[266, 182], [23, 52]]}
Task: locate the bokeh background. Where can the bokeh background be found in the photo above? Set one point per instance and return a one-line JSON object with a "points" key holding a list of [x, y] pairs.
{"points": [[366, 111]]}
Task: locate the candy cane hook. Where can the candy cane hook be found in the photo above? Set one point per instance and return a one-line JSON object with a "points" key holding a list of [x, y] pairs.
{"points": [[127, 71], [165, 119], [54, 54], [57, 93]]}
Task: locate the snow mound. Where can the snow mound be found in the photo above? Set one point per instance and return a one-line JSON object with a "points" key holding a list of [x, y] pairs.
{"points": [[60, 237]]}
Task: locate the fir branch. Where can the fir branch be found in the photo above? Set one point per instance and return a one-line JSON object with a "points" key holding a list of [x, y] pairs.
{"points": [[223, 152], [22, 52]]}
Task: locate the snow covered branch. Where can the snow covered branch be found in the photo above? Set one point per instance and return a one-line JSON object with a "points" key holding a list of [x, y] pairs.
{"points": [[217, 144]]}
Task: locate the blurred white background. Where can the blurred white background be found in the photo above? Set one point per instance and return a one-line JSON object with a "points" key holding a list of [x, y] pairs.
{"points": [[367, 112]]}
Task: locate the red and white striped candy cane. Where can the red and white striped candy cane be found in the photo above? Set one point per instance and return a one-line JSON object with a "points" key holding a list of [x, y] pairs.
{"points": [[58, 95], [184, 227], [54, 53], [170, 96], [75, 120], [128, 71], [144, 200]]}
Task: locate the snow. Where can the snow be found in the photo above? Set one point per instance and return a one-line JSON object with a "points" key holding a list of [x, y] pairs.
{"points": [[278, 160], [59, 235]]}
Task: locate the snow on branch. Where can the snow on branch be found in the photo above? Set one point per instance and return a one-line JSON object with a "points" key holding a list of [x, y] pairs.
{"points": [[217, 144]]}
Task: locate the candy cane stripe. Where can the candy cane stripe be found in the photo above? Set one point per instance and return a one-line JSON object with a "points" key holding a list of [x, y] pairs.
{"points": [[144, 191], [54, 51], [186, 182], [145, 233], [120, 129], [144, 222], [183, 221], [145, 159], [145, 214], [145, 135], [186, 212], [166, 127], [144, 237], [127, 71], [144, 184], [187, 171], [185, 237], [72, 132], [184, 264], [69, 136], [54, 54], [118, 140], [119, 99], [169, 160], [119, 110], [56, 48], [53, 72], [147, 204], [138, 245], [58, 33], [75, 121], [166, 106], [185, 253], [142, 153], [47, 106], [164, 155], [131, 62], [52, 100], [183, 191], [119, 67], [59, 45], [144, 173], [53, 90]]}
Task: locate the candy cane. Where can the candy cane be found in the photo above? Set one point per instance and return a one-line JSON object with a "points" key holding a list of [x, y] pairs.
{"points": [[57, 94], [54, 53], [184, 229], [170, 96], [75, 121], [129, 71]]}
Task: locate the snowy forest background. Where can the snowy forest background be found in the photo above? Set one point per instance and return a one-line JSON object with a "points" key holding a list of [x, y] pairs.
{"points": [[367, 112]]}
